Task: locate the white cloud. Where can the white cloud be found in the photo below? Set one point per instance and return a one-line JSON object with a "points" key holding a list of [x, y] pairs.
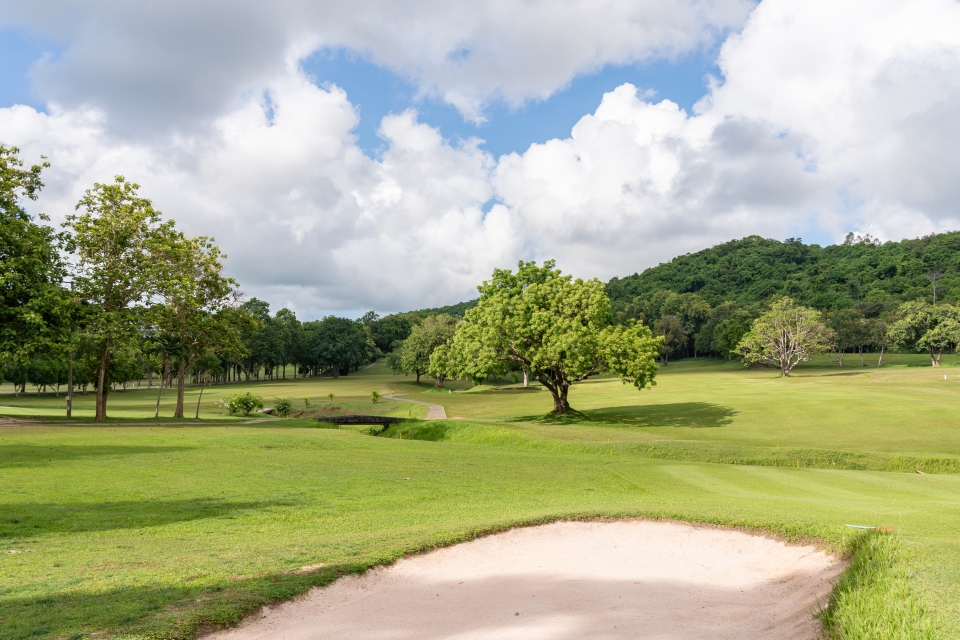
{"points": [[179, 63], [830, 117]]}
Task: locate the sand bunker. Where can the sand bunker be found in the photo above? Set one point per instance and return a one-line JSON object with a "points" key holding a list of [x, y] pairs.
{"points": [[627, 579]]}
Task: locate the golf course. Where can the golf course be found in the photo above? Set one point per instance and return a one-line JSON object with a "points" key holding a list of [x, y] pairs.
{"points": [[143, 527]]}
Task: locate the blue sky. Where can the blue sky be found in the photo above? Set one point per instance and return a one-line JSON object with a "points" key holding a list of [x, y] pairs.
{"points": [[808, 134], [379, 92]]}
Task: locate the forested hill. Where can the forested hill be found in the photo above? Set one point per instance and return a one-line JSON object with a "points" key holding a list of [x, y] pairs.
{"points": [[752, 270]]}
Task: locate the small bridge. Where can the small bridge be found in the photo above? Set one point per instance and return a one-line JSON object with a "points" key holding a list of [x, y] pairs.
{"points": [[386, 421]]}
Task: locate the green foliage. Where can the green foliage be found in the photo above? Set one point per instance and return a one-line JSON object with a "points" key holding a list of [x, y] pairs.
{"points": [[926, 327], [121, 248], [374, 396], [35, 311], [876, 597], [557, 328], [751, 271], [785, 336], [283, 407], [195, 312], [241, 403], [336, 344], [386, 332], [413, 356]]}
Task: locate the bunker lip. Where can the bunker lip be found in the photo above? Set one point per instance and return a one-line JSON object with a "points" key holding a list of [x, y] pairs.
{"points": [[573, 579]]}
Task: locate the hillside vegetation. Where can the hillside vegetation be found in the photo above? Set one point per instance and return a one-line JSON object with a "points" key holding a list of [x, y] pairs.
{"points": [[752, 270]]}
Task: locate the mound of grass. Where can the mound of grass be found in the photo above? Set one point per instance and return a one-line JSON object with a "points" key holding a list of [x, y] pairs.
{"points": [[875, 598]]}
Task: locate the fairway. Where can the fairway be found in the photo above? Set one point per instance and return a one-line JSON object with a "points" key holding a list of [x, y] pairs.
{"points": [[157, 529]]}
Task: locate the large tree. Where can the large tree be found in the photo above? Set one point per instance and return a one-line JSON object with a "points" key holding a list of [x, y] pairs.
{"points": [[927, 327], [34, 309], [338, 344], [785, 336], [559, 329], [413, 356], [120, 244], [195, 296]]}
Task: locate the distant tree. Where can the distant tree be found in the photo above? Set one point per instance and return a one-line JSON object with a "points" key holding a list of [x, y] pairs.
{"points": [[785, 336], [288, 328], [851, 331], [927, 327], [723, 330], [339, 343], [934, 277], [441, 366], [195, 296], [388, 330], [559, 329], [34, 309], [673, 333], [414, 354], [119, 242]]}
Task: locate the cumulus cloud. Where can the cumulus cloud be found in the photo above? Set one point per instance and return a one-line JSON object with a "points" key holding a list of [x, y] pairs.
{"points": [[179, 63], [828, 117]]}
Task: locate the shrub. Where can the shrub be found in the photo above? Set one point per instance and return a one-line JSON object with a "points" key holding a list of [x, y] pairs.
{"points": [[374, 396], [241, 403], [282, 406]]}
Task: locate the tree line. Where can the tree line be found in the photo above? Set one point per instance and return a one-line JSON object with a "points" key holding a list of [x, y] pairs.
{"points": [[118, 294]]}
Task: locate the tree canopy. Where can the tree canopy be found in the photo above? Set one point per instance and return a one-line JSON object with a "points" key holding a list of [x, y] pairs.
{"points": [[558, 328], [785, 336], [413, 355], [34, 308]]}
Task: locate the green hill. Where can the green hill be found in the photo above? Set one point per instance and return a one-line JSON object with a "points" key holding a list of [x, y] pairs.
{"points": [[752, 270]]}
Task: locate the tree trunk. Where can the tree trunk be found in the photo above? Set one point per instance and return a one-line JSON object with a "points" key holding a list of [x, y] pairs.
{"points": [[69, 387], [418, 376], [438, 382], [526, 378], [181, 373], [102, 382], [840, 358], [933, 360], [560, 403], [197, 416], [880, 360], [862, 363]]}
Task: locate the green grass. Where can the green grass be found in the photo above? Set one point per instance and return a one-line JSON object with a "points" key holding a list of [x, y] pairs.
{"points": [[875, 597], [157, 528]]}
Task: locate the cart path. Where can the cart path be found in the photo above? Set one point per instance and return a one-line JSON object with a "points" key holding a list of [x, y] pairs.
{"points": [[436, 412]]}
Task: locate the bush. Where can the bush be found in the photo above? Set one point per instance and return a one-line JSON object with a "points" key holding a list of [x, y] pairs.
{"points": [[282, 406], [241, 403]]}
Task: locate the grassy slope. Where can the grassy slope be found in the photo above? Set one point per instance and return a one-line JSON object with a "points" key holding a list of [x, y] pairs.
{"points": [[160, 528]]}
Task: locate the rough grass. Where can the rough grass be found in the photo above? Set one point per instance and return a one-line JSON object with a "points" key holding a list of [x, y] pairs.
{"points": [[876, 598]]}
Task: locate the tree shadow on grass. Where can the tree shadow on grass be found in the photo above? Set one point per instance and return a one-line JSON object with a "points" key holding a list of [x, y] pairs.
{"points": [[28, 455], [155, 611], [29, 519], [697, 415]]}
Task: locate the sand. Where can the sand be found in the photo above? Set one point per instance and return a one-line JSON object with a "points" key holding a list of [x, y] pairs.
{"points": [[624, 579]]}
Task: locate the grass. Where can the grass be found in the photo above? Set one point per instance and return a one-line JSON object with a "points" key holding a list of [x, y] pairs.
{"points": [[155, 529], [875, 597]]}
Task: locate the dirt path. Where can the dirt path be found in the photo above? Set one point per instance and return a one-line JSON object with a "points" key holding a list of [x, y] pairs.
{"points": [[436, 412], [572, 580]]}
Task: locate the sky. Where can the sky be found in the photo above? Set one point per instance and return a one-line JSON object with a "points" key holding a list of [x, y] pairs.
{"points": [[389, 155]]}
